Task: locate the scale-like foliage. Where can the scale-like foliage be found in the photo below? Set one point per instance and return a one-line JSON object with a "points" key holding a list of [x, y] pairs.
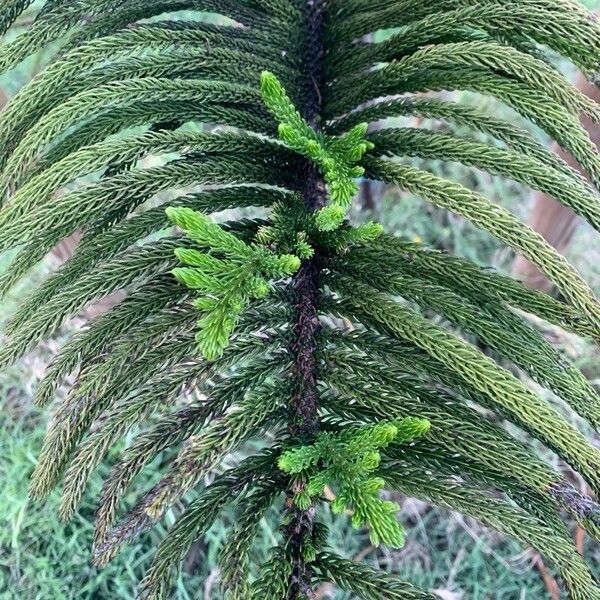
{"points": [[325, 341]]}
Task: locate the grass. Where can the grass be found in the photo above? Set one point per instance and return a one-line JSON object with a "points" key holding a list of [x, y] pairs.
{"points": [[40, 557], [44, 559]]}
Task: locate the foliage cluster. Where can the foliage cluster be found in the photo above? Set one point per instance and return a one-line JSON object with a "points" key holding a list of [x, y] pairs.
{"points": [[315, 336]]}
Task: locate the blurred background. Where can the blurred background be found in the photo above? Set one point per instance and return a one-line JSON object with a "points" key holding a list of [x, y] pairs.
{"points": [[41, 558]]}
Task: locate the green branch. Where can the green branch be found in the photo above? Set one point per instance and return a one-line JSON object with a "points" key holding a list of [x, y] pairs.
{"points": [[336, 157]]}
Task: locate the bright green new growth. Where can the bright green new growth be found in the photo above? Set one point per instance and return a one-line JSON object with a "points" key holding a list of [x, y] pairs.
{"points": [[348, 460], [228, 274], [318, 338], [337, 157]]}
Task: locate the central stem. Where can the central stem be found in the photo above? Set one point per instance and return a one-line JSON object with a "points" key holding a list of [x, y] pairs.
{"points": [[304, 417]]}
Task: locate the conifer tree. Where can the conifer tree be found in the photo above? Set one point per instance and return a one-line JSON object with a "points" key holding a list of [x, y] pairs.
{"points": [[335, 345]]}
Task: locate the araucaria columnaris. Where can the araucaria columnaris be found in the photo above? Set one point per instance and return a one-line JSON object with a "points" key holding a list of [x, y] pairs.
{"points": [[334, 345]]}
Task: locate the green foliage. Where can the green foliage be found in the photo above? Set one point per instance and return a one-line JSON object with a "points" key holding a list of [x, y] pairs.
{"points": [[337, 157], [327, 343], [349, 458], [228, 284]]}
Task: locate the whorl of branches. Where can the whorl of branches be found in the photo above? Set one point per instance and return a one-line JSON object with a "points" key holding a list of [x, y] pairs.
{"points": [[339, 342]]}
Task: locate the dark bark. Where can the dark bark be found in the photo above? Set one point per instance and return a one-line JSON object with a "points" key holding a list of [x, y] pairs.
{"points": [[303, 417], [314, 14]]}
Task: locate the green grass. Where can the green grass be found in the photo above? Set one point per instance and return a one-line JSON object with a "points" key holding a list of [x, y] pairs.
{"points": [[41, 558]]}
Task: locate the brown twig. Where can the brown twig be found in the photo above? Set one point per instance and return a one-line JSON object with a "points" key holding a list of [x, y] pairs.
{"points": [[580, 540], [549, 581]]}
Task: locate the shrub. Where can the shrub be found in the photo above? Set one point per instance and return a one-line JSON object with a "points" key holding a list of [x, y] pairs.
{"points": [[320, 338]]}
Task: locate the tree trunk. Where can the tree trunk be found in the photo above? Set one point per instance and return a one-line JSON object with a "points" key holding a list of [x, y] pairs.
{"points": [[303, 417], [556, 222]]}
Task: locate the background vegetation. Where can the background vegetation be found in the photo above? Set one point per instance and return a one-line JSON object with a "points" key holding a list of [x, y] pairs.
{"points": [[40, 558]]}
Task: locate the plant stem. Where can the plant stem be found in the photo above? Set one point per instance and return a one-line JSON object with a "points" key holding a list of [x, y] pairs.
{"points": [[304, 418]]}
